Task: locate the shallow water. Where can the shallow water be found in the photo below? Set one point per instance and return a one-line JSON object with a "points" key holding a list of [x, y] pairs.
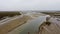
{"points": [[30, 27]]}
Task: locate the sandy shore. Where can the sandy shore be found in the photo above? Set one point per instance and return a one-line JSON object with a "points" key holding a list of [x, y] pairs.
{"points": [[10, 25]]}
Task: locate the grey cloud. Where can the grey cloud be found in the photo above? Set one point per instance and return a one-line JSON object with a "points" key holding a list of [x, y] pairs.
{"points": [[29, 5]]}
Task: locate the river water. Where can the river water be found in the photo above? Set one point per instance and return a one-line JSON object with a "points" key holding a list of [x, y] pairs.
{"points": [[31, 27]]}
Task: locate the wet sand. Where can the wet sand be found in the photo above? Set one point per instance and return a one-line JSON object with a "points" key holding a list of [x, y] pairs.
{"points": [[10, 25]]}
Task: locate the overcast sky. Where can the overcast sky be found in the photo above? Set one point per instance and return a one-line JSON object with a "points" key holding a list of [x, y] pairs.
{"points": [[13, 5]]}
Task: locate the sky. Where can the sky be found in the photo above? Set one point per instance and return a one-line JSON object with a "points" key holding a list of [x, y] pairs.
{"points": [[17, 5]]}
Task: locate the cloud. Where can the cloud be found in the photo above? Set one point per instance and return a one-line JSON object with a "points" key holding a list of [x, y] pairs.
{"points": [[29, 5]]}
